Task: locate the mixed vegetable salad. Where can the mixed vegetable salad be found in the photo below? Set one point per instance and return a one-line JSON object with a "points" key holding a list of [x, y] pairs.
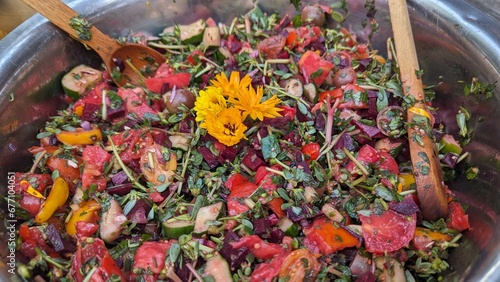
{"points": [[270, 149]]}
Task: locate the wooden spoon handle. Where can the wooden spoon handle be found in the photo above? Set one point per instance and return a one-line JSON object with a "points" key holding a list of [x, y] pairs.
{"points": [[60, 14], [426, 166]]}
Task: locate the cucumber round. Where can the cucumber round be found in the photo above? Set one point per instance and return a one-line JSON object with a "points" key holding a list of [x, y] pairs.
{"points": [[174, 228], [79, 80]]}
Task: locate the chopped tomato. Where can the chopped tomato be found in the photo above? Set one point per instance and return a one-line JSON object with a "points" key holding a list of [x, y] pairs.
{"points": [[179, 80], [194, 57], [134, 104], [164, 70], [234, 180], [235, 200], [333, 94], [457, 218], [314, 68], [275, 206], [300, 265], [94, 158], [86, 229], [136, 142], [32, 238], [354, 97], [93, 251], [367, 156], [302, 37], [387, 232], [150, 256], [68, 169], [329, 237], [258, 247], [264, 178], [387, 162], [311, 150], [271, 47], [288, 112], [267, 271], [38, 182]]}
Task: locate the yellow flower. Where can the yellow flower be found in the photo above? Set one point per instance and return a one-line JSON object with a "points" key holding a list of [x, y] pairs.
{"points": [[227, 126], [232, 86], [249, 102], [210, 101]]}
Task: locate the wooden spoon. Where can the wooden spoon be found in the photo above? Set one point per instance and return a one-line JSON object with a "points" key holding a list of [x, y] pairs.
{"points": [[424, 157], [110, 50]]}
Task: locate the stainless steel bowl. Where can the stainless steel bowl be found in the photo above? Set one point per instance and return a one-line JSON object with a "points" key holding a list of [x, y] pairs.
{"points": [[455, 41]]}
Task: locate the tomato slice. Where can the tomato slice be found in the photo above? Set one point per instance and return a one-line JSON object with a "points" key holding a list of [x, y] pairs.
{"points": [[300, 265], [387, 232]]}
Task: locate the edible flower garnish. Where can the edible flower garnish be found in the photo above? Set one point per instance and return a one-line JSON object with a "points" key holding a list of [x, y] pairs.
{"points": [[209, 101], [227, 126], [249, 102], [223, 106], [232, 86]]}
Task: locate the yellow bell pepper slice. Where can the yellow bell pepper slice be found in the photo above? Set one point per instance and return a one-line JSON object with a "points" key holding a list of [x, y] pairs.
{"points": [[57, 197], [30, 190], [80, 137], [405, 181], [86, 212], [420, 111]]}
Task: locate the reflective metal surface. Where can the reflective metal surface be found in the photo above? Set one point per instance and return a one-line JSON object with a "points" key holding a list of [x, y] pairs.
{"points": [[454, 39]]}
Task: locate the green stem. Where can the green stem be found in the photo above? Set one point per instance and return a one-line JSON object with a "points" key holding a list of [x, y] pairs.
{"points": [[125, 168], [356, 162], [129, 63]]}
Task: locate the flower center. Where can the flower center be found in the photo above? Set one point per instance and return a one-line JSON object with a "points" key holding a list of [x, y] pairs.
{"points": [[229, 129]]}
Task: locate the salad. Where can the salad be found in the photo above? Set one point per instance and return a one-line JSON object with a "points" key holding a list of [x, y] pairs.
{"points": [[270, 149]]}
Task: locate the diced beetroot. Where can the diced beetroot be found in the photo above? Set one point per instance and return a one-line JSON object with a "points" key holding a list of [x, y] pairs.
{"points": [[293, 137], [370, 131], [91, 112], [120, 189], [179, 80], [233, 44], [209, 157], [345, 141], [407, 206], [450, 159], [139, 213], [234, 256], [59, 242], [252, 160], [229, 153]]}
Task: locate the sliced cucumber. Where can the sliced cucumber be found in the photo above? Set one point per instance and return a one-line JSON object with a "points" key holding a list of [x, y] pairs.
{"points": [[79, 80], [391, 269], [218, 268], [180, 141], [211, 37], [192, 33], [174, 228], [205, 215], [288, 227], [448, 144]]}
